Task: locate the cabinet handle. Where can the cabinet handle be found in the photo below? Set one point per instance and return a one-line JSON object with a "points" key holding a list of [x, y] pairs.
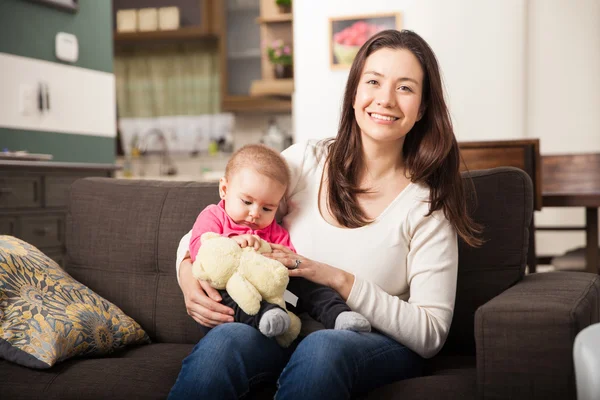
{"points": [[6, 191], [41, 231]]}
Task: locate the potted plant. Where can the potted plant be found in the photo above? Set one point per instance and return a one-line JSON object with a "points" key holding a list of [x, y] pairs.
{"points": [[285, 6], [280, 55]]}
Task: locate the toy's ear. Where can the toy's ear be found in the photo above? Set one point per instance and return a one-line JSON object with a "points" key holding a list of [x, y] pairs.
{"points": [[208, 235]]}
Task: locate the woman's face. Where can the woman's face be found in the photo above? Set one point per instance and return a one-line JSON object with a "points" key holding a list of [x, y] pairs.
{"points": [[388, 96]]}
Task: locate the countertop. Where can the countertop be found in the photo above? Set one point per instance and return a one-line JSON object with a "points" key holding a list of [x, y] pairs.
{"points": [[60, 165]]}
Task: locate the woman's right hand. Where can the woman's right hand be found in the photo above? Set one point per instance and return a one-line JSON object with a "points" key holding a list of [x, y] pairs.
{"points": [[202, 301]]}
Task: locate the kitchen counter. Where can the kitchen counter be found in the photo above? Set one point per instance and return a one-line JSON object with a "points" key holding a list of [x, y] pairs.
{"points": [[58, 165]]}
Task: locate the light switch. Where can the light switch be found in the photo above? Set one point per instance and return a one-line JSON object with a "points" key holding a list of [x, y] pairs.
{"points": [[27, 99]]}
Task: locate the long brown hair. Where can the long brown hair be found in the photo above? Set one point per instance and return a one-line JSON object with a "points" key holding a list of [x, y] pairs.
{"points": [[430, 151]]}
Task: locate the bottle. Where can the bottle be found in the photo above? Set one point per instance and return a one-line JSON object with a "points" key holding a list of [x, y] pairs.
{"points": [[274, 137]]}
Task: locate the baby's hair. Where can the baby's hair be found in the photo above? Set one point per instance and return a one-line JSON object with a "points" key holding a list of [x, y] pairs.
{"points": [[262, 159]]}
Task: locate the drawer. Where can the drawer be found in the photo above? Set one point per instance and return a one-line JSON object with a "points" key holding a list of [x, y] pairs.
{"points": [[20, 191], [8, 226], [57, 256], [43, 231], [57, 189]]}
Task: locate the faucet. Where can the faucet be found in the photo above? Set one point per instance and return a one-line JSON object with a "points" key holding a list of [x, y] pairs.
{"points": [[167, 166]]}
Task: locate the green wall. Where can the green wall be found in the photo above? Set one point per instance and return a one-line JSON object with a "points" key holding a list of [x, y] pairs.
{"points": [[64, 147], [28, 29]]}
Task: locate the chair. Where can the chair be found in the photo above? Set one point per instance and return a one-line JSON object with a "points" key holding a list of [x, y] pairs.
{"points": [[520, 153], [572, 180]]}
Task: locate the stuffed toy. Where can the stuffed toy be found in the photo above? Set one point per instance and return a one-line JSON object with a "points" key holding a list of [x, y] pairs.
{"points": [[247, 275]]}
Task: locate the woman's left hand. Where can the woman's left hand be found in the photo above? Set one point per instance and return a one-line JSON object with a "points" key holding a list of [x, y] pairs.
{"points": [[318, 272]]}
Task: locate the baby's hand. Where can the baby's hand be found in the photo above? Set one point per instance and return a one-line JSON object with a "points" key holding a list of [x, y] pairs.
{"points": [[247, 241]]}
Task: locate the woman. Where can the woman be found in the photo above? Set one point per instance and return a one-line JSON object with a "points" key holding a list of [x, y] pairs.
{"points": [[374, 214]]}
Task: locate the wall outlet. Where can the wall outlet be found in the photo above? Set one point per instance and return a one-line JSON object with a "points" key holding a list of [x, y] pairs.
{"points": [[28, 99]]}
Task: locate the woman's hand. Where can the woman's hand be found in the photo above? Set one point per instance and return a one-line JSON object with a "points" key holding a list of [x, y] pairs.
{"points": [[201, 299], [339, 280]]}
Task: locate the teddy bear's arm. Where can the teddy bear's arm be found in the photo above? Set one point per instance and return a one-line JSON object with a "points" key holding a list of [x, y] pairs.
{"points": [[244, 294]]}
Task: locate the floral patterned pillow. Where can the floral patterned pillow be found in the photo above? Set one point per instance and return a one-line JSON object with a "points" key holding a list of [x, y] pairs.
{"points": [[46, 316]]}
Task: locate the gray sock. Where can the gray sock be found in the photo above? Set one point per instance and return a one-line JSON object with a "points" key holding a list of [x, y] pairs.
{"points": [[274, 322], [352, 321]]}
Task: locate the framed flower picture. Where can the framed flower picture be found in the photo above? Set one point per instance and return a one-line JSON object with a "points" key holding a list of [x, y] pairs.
{"points": [[348, 34]]}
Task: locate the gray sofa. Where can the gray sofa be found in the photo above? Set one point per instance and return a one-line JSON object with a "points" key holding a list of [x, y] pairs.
{"points": [[511, 336]]}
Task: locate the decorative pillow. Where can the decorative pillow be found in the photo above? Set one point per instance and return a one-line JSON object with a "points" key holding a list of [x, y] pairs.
{"points": [[46, 316]]}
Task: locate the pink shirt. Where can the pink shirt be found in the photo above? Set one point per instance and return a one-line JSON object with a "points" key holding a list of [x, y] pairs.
{"points": [[214, 219]]}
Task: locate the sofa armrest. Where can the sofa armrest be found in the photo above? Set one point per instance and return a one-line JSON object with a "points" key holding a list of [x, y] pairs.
{"points": [[524, 337]]}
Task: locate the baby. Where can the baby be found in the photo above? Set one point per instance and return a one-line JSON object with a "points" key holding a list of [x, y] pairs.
{"points": [[255, 181]]}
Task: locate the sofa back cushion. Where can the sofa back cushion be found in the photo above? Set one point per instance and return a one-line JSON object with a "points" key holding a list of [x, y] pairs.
{"points": [[503, 205], [122, 236]]}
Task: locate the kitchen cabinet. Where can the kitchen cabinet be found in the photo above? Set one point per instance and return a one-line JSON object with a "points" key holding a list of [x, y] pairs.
{"points": [[34, 197], [197, 22]]}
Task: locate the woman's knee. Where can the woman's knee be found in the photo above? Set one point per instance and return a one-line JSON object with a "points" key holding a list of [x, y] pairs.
{"points": [[230, 340], [227, 361], [327, 349], [323, 366]]}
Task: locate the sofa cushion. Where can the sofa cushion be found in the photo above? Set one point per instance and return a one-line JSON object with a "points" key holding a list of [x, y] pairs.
{"points": [[503, 205], [149, 372], [122, 237], [143, 372], [460, 386], [46, 316]]}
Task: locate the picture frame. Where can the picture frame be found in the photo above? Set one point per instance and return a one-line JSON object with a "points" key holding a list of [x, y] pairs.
{"points": [[71, 6], [347, 34]]}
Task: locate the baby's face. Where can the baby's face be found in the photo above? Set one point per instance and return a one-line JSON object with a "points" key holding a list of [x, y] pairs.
{"points": [[251, 198]]}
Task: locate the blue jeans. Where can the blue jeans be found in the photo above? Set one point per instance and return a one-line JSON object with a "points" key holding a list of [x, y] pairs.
{"points": [[327, 364]]}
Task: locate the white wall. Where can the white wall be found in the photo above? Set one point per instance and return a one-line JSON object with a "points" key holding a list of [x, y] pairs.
{"points": [[564, 96], [478, 44], [512, 68], [564, 75]]}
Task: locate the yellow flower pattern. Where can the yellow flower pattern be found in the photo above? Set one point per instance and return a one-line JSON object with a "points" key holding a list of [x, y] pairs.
{"points": [[47, 314]]}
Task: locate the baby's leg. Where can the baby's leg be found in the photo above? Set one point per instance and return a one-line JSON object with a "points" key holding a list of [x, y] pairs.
{"points": [[326, 306], [271, 320], [352, 321]]}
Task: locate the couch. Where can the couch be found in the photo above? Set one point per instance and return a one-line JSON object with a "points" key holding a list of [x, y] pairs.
{"points": [[511, 337]]}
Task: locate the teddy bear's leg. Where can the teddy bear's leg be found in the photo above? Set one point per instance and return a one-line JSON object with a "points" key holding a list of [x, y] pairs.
{"points": [[286, 339], [244, 294]]}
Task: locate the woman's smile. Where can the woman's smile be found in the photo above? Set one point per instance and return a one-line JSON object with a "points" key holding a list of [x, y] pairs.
{"points": [[383, 119]]}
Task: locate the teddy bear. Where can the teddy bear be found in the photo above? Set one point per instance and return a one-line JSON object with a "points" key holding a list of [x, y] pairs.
{"points": [[247, 275]]}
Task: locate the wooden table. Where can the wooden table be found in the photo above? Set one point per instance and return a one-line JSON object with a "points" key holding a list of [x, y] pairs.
{"points": [[573, 180]]}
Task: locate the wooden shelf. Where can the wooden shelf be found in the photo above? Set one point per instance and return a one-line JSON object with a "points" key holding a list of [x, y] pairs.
{"points": [[185, 33], [272, 87], [256, 104], [249, 53], [274, 19]]}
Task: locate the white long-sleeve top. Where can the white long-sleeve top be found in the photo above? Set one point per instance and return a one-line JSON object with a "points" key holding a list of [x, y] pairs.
{"points": [[404, 263]]}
